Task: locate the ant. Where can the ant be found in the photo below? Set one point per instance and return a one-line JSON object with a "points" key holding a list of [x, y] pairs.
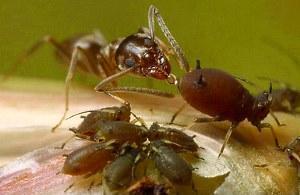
{"points": [[220, 95], [141, 53]]}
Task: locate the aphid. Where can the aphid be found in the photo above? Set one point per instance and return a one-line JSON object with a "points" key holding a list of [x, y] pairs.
{"points": [[119, 173], [89, 159], [121, 131], [170, 164], [293, 149], [147, 186], [173, 137], [285, 99], [221, 96]]}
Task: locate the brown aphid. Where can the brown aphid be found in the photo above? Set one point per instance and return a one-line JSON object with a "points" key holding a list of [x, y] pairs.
{"points": [[89, 159], [174, 137], [221, 96], [88, 127], [170, 164], [119, 173], [121, 131]]}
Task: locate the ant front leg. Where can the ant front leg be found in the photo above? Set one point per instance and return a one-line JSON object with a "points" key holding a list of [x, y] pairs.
{"points": [[267, 125], [21, 59], [154, 12]]}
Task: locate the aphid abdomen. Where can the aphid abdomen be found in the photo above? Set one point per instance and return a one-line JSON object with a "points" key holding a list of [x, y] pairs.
{"points": [[121, 131], [170, 164], [118, 174], [216, 93], [88, 159], [179, 139]]}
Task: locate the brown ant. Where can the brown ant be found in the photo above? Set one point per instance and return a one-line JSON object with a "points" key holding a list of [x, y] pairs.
{"points": [[221, 96], [142, 54]]}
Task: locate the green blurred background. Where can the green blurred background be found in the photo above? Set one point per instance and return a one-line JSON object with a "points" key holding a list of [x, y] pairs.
{"points": [[231, 35]]}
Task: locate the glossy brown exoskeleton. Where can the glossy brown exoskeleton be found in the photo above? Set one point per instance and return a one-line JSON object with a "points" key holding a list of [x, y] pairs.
{"points": [[221, 96]]}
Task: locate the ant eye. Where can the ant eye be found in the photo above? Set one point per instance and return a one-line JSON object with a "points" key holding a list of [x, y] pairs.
{"points": [[130, 62]]}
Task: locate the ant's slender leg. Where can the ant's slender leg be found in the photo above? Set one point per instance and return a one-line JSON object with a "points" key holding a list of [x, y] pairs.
{"points": [[105, 68], [141, 90], [228, 134], [71, 71], [32, 50], [207, 119], [154, 12], [65, 142], [101, 85], [177, 113], [276, 119], [267, 125]]}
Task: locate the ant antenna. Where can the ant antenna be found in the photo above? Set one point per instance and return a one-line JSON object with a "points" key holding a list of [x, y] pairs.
{"points": [[154, 12], [198, 66]]}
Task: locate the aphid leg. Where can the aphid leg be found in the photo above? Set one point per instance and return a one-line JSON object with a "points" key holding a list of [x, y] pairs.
{"points": [[228, 134], [177, 113], [32, 50], [101, 86], [276, 119], [65, 142], [69, 187], [207, 119], [267, 125], [154, 12], [74, 61]]}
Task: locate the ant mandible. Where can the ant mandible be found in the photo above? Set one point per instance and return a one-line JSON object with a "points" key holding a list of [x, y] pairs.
{"points": [[220, 95], [141, 53]]}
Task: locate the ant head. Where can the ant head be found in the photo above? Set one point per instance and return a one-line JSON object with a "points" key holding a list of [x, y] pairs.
{"points": [[145, 54], [261, 106]]}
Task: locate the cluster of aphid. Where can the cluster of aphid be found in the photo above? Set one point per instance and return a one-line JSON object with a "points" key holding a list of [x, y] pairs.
{"points": [[118, 145], [210, 91]]}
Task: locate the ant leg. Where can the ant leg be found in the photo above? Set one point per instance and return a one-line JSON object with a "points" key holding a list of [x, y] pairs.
{"points": [[141, 90], [176, 113], [154, 12], [267, 125], [207, 119], [100, 86], [32, 50], [69, 77], [276, 119], [228, 134], [65, 142]]}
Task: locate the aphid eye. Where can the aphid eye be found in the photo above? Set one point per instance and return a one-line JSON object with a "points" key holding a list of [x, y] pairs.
{"points": [[130, 62]]}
